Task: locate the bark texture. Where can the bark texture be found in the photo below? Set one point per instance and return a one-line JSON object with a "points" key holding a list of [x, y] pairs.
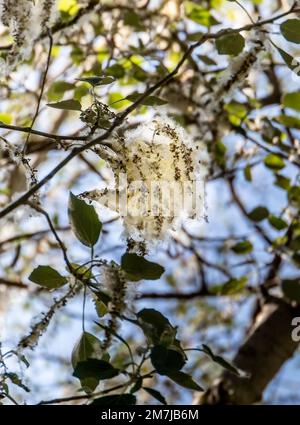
{"points": [[268, 346]]}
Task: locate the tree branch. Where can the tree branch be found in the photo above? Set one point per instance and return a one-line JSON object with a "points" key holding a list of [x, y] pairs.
{"points": [[266, 349]]}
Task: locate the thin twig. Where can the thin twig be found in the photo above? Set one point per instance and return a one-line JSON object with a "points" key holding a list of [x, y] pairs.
{"points": [[41, 93]]}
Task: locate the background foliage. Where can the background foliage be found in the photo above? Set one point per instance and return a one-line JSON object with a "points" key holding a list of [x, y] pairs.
{"points": [[80, 310]]}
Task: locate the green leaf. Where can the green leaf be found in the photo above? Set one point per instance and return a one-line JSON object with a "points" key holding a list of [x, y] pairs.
{"points": [[204, 58], [291, 289], [290, 30], [115, 400], [155, 394], [132, 19], [277, 222], [218, 359], [5, 118], [237, 112], [47, 277], [115, 70], [87, 347], [82, 272], [103, 297], [248, 173], [283, 182], [231, 287], [57, 90], [231, 44], [156, 327], [96, 369], [243, 247], [259, 214], [165, 360], [294, 195], [138, 268], [199, 14], [291, 62], [288, 121], [154, 318], [137, 386], [97, 81], [148, 101], [84, 221], [101, 308], [292, 100], [70, 104], [184, 380], [274, 162], [15, 379], [220, 152]]}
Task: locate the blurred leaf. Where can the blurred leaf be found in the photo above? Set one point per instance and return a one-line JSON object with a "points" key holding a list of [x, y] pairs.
{"points": [[220, 152], [47, 277], [101, 308], [288, 121], [199, 14], [82, 272], [248, 173], [282, 182], [137, 386], [291, 62], [70, 104], [156, 327], [243, 247], [116, 71], [58, 89], [5, 118], [237, 112], [274, 162], [294, 195], [97, 81], [165, 360], [156, 394], [132, 19], [290, 30], [231, 44], [87, 347], [96, 369], [259, 214], [231, 287], [103, 297], [292, 100], [148, 101], [16, 380], [204, 58], [291, 289], [138, 268], [277, 222], [220, 360], [84, 221], [184, 380]]}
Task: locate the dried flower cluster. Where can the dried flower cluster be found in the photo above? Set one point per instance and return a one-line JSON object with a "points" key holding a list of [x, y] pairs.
{"points": [[39, 328], [212, 116], [114, 280]]}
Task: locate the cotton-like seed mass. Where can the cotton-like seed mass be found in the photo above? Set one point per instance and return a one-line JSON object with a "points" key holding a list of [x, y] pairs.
{"points": [[26, 21], [159, 177]]}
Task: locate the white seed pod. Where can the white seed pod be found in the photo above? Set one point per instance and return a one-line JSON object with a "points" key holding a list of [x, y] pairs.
{"points": [[19, 16], [159, 180]]}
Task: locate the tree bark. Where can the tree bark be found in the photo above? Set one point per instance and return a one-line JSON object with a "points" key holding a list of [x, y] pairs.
{"points": [[268, 346]]}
